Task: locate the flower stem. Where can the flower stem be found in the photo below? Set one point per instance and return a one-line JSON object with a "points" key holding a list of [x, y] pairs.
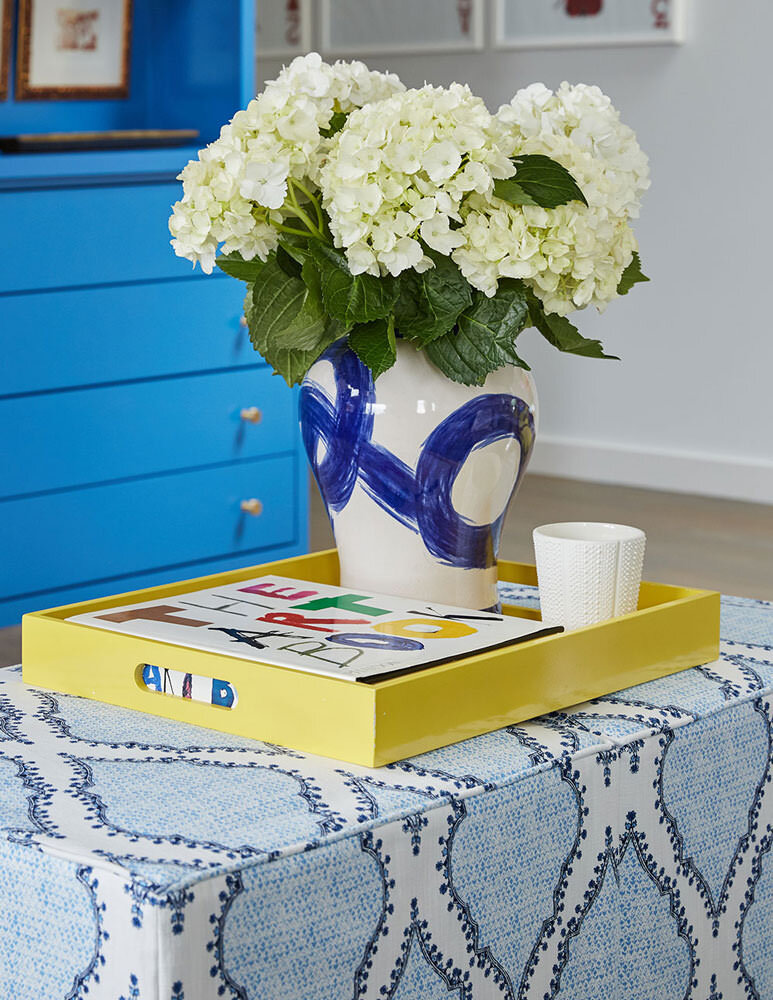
{"points": [[300, 214], [292, 207], [313, 200], [294, 232]]}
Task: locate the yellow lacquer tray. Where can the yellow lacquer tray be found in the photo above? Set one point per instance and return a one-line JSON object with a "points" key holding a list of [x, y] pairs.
{"points": [[372, 724]]}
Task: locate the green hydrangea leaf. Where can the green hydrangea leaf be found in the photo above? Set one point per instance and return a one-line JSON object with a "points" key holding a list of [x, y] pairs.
{"points": [[348, 297], [234, 265], [296, 247], [337, 122], [542, 180], [484, 338], [510, 190], [287, 308], [287, 322], [374, 344], [312, 278], [559, 332], [501, 317], [429, 304], [289, 264], [631, 276]]}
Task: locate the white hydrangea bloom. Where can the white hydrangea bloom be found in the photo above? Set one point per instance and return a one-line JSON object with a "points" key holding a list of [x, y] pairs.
{"points": [[541, 121], [401, 169], [242, 176], [571, 256], [418, 167]]}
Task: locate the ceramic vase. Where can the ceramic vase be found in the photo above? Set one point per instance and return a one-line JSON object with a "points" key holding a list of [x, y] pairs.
{"points": [[416, 471]]}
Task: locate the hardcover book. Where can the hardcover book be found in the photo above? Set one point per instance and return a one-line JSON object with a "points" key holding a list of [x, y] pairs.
{"points": [[312, 627]]}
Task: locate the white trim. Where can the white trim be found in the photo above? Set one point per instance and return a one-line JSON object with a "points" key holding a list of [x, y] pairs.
{"points": [[302, 48], [674, 36], [476, 44], [678, 472]]}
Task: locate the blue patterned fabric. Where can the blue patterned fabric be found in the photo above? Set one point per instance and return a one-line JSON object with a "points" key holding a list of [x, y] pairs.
{"points": [[619, 850]]}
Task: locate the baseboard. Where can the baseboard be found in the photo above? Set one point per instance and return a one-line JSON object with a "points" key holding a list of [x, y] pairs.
{"points": [[678, 472]]}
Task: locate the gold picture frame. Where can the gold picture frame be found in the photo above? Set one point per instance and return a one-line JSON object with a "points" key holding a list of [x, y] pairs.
{"points": [[68, 53], [6, 12]]}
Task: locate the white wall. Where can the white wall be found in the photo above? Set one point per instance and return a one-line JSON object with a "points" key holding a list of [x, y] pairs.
{"points": [[690, 407]]}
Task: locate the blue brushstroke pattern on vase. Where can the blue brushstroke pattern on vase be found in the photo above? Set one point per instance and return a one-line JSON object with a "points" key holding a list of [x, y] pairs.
{"points": [[420, 499]]}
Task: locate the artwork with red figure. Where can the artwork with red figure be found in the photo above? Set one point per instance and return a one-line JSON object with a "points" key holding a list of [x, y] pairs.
{"points": [[293, 27], [587, 22], [464, 10], [583, 8]]}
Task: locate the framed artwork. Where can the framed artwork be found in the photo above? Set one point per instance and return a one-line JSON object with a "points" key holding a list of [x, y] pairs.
{"points": [[73, 49], [6, 10], [284, 28], [372, 27], [532, 24]]}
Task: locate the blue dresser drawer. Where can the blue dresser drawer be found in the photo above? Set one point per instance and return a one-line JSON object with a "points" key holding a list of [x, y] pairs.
{"points": [[121, 332], [87, 236], [63, 439], [12, 609], [109, 531]]}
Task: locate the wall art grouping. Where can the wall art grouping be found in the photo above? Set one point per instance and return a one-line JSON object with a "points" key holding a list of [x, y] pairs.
{"points": [[287, 28]]}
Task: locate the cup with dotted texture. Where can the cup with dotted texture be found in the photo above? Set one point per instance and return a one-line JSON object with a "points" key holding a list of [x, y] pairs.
{"points": [[587, 571]]}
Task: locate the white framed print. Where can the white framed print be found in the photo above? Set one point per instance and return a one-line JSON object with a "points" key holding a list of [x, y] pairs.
{"points": [[284, 28], [6, 10], [73, 49], [375, 27], [537, 24]]}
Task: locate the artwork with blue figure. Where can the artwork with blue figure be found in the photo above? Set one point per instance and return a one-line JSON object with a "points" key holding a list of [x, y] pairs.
{"points": [[417, 471], [620, 850]]}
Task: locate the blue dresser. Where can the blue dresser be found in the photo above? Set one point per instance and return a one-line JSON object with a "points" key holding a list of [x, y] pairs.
{"points": [[137, 425]]}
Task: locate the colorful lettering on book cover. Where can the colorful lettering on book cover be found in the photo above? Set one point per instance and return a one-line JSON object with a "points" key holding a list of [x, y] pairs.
{"points": [[311, 627]]}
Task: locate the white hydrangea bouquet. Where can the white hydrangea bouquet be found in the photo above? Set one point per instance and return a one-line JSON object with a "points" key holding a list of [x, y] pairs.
{"points": [[354, 207]]}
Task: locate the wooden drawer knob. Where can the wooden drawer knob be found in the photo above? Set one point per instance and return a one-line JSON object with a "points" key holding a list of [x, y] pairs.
{"points": [[252, 506], [251, 414]]}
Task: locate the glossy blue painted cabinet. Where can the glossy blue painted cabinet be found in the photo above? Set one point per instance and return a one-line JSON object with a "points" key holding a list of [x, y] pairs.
{"points": [[135, 418]]}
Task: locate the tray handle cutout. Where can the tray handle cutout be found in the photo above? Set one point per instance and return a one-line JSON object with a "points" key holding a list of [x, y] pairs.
{"points": [[189, 687]]}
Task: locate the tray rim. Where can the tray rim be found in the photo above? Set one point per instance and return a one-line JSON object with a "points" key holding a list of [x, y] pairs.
{"points": [[376, 723], [509, 571]]}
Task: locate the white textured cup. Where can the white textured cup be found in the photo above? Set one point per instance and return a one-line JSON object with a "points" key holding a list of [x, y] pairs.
{"points": [[588, 572]]}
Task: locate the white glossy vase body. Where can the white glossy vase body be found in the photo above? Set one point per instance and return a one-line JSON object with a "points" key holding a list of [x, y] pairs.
{"points": [[417, 471]]}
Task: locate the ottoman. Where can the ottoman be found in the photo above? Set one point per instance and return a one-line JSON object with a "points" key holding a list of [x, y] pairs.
{"points": [[619, 850]]}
